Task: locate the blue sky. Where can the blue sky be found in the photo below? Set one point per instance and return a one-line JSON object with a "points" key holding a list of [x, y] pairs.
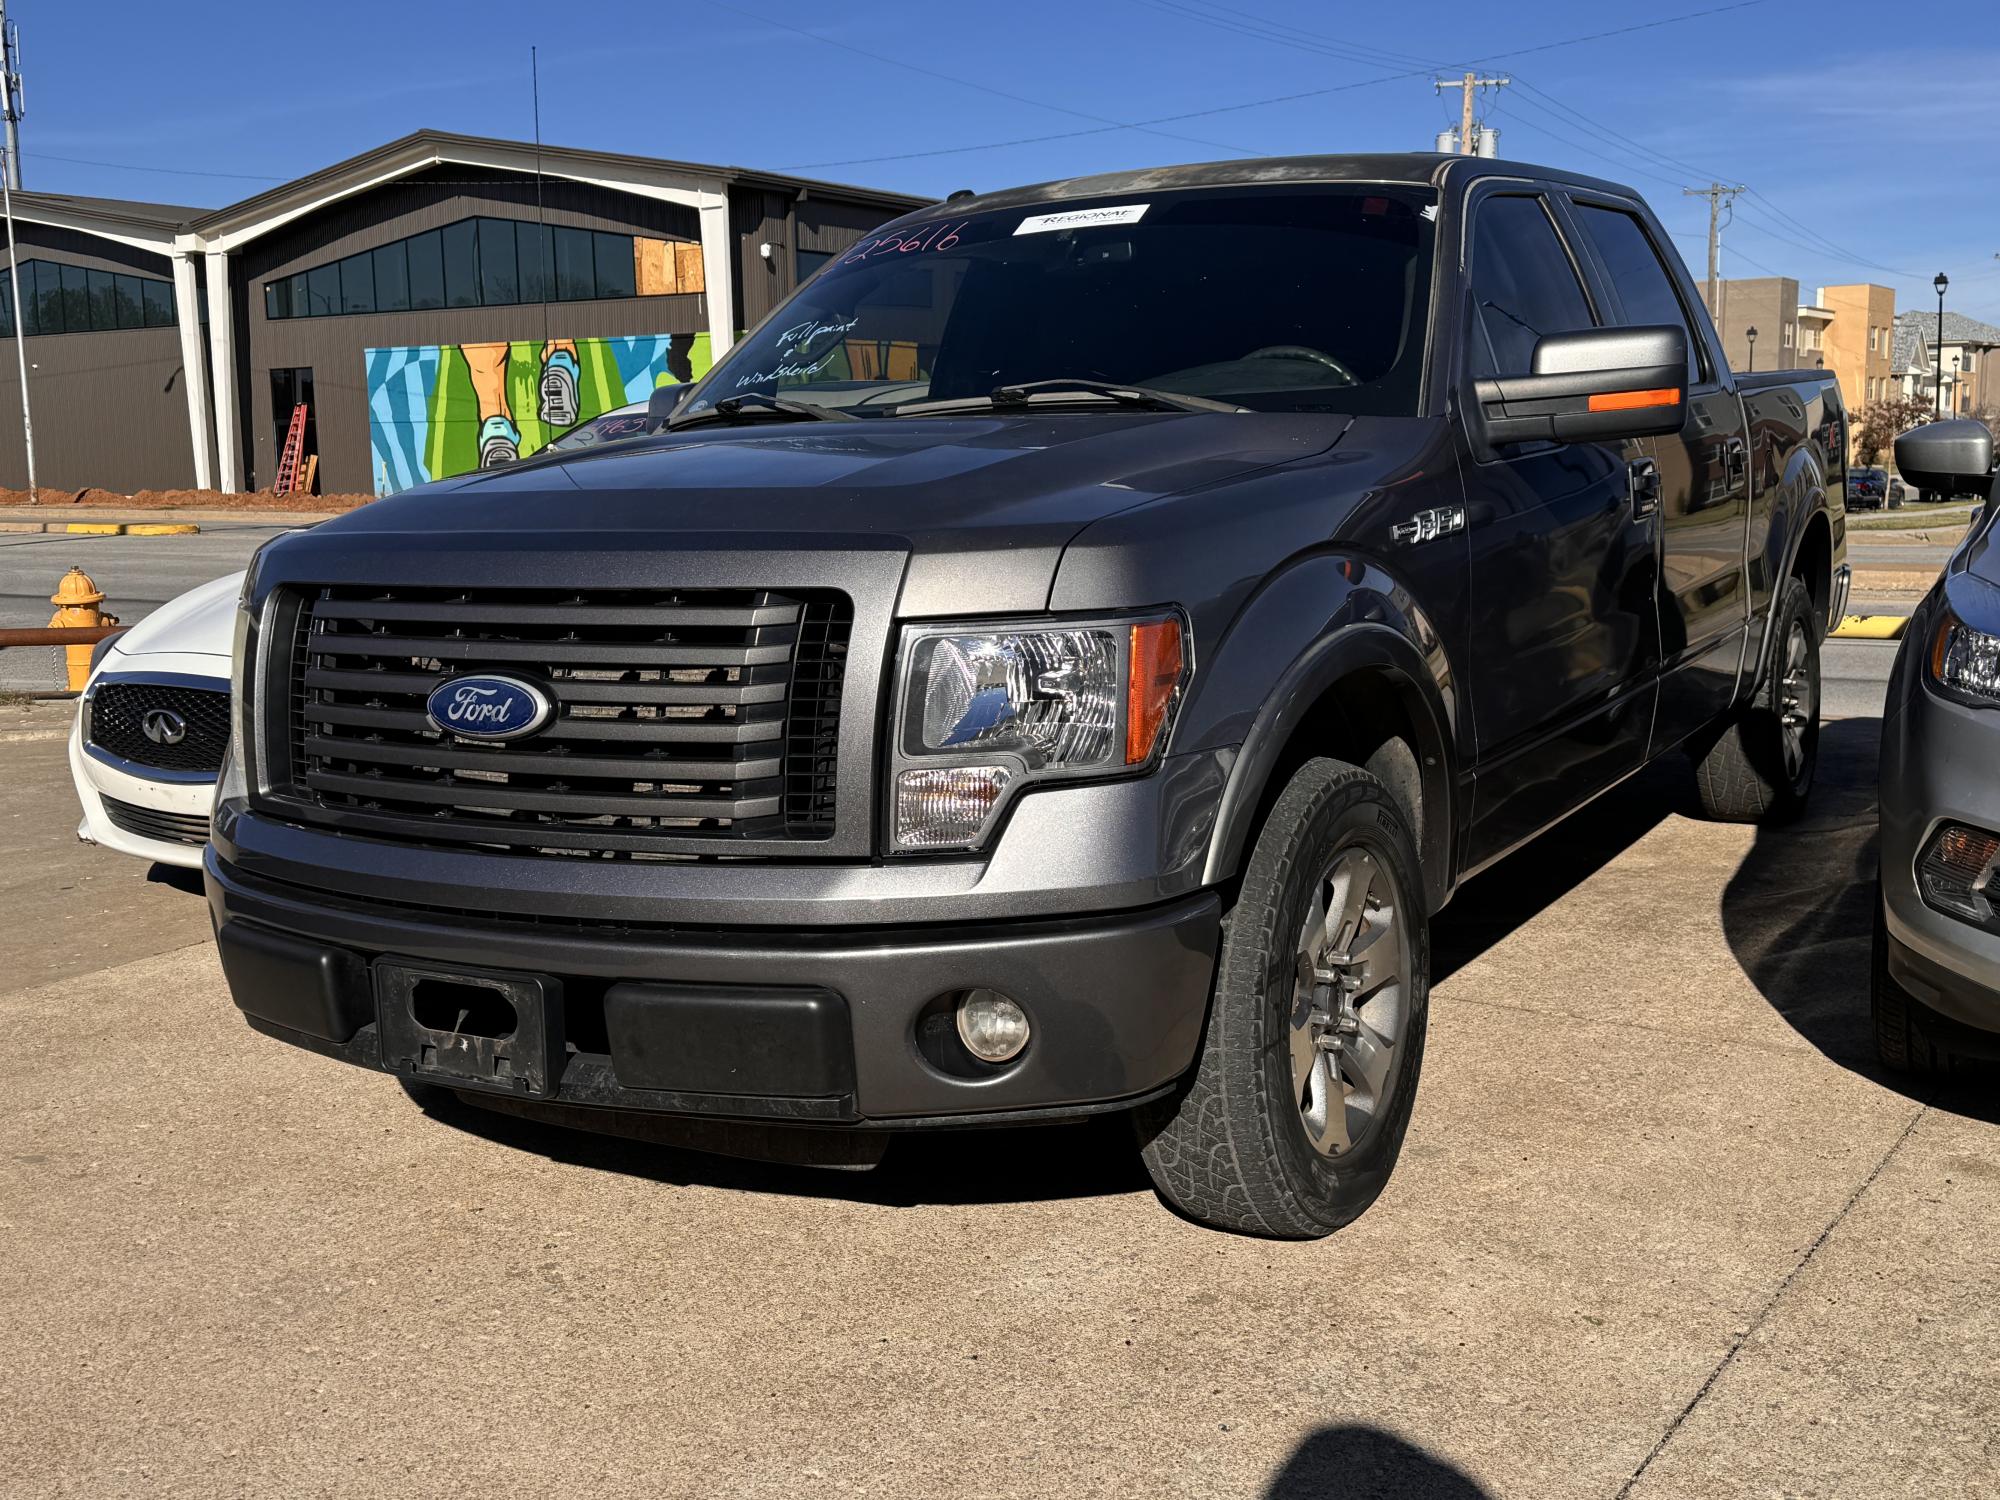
{"points": [[1870, 136]]}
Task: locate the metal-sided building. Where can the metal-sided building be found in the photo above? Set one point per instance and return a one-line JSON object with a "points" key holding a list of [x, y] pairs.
{"points": [[439, 303]]}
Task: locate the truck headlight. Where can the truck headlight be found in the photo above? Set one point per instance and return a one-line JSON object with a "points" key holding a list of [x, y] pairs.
{"points": [[1965, 663], [984, 710], [234, 783]]}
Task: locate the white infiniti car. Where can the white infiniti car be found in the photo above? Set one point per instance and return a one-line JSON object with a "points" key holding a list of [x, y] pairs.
{"points": [[150, 730]]}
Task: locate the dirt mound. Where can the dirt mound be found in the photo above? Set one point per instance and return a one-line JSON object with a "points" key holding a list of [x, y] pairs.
{"points": [[182, 500]]}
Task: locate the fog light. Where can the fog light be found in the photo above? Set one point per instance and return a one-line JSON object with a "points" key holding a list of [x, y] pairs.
{"points": [[1955, 875], [993, 1028]]}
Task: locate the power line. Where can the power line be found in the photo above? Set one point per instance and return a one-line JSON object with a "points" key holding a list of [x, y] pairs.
{"points": [[1319, 93], [126, 166]]}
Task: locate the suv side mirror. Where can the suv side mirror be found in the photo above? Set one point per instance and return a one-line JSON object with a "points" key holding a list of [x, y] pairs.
{"points": [[1600, 385], [1948, 456], [663, 403]]}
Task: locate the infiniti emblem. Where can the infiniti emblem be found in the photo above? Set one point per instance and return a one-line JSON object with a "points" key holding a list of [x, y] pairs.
{"points": [[163, 726]]}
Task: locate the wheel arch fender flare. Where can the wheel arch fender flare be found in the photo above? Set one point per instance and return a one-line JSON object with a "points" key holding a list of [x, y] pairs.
{"points": [[1387, 647]]}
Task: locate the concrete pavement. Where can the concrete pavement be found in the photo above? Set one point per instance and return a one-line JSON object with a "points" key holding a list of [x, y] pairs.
{"points": [[1659, 1230]]}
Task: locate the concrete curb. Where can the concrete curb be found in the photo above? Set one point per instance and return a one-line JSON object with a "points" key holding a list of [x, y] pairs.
{"points": [[102, 528], [1871, 627]]}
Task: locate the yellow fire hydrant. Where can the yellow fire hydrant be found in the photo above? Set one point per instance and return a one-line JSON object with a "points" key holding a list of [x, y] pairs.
{"points": [[77, 598]]}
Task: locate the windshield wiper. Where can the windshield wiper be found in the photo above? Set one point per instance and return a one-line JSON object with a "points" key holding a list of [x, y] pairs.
{"points": [[1143, 397], [737, 408]]}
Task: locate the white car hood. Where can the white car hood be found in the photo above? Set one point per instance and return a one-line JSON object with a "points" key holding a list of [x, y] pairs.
{"points": [[201, 622]]}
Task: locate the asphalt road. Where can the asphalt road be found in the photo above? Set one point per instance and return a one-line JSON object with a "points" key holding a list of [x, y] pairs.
{"points": [[1660, 1229], [137, 575]]}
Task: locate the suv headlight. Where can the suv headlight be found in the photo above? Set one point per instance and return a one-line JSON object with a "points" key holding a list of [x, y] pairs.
{"points": [[984, 710], [1964, 663]]}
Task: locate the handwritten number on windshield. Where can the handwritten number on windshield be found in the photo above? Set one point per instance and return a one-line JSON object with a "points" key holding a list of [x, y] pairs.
{"points": [[941, 235]]}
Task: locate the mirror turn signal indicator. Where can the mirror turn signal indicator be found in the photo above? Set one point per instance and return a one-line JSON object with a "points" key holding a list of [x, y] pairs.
{"points": [[1635, 400], [1152, 678]]}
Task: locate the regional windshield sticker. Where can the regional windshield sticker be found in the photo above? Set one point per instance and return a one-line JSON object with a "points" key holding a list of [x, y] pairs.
{"points": [[1082, 218]]}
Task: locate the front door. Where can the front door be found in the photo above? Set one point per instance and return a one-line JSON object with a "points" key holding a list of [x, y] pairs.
{"points": [[1564, 644], [290, 388], [1704, 483]]}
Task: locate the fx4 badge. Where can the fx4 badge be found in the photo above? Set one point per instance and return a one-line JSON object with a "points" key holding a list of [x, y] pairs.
{"points": [[1429, 525]]}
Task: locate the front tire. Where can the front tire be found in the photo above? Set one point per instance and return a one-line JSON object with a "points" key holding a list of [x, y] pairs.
{"points": [[1899, 1043], [1293, 1118], [1761, 768]]}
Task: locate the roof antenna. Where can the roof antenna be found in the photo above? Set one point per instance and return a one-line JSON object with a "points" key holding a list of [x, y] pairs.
{"points": [[546, 256]]}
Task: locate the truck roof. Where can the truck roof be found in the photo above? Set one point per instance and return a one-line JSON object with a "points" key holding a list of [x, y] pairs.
{"points": [[1415, 167]]}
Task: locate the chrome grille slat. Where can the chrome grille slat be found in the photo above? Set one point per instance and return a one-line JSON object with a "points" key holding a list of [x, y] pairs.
{"points": [[497, 760], [574, 616], [475, 653], [680, 714]]}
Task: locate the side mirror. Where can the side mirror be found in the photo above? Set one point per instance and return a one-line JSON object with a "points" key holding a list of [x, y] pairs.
{"points": [[1601, 385], [1949, 456], [663, 403]]}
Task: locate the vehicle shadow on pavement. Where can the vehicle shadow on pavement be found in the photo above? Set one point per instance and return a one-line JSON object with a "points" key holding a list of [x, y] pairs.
{"points": [[1086, 1159], [1366, 1463], [1799, 917], [1496, 903]]}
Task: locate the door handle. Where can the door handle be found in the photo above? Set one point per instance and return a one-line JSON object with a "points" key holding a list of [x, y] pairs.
{"points": [[1644, 477], [1735, 459]]}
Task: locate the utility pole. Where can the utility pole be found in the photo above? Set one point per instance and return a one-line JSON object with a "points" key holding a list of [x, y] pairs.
{"points": [[1469, 86], [1715, 193], [12, 100], [7, 170]]}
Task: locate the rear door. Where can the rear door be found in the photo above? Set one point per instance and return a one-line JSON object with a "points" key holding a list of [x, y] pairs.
{"points": [[1563, 653], [1704, 476]]}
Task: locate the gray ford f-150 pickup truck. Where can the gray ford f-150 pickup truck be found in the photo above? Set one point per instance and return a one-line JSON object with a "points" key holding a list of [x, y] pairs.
{"points": [[1056, 663]]}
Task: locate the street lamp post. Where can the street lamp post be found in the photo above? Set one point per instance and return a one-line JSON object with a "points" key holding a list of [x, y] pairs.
{"points": [[1750, 333], [1937, 399]]}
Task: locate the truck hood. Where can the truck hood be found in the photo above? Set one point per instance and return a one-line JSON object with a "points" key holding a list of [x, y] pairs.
{"points": [[983, 506]]}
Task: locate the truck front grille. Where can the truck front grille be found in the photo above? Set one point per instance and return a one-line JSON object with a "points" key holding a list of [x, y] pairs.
{"points": [[679, 714]]}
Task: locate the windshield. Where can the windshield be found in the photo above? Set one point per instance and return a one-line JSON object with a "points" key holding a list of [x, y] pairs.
{"points": [[1278, 299]]}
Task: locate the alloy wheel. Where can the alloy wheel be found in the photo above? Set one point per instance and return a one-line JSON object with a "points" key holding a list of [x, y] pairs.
{"points": [[1798, 698], [1349, 1002]]}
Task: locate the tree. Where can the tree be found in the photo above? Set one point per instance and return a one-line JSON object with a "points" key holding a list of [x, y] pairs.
{"points": [[1881, 421]]}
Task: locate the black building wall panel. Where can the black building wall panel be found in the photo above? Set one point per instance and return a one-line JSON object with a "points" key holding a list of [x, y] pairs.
{"points": [[110, 408]]}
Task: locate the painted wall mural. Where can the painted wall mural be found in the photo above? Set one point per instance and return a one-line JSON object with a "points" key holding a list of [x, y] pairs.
{"points": [[438, 410]]}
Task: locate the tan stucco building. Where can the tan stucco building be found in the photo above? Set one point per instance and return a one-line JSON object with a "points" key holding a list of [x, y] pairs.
{"points": [[1860, 341]]}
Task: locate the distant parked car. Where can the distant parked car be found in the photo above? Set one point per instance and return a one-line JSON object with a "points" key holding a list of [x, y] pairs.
{"points": [[1936, 985], [1867, 489], [1899, 493], [151, 728]]}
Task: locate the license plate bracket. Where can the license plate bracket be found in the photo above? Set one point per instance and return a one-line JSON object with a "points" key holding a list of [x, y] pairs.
{"points": [[471, 1028]]}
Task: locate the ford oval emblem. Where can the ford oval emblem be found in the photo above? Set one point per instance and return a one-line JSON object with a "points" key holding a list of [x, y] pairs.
{"points": [[489, 708]]}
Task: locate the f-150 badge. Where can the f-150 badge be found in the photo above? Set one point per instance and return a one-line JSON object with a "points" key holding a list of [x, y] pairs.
{"points": [[1429, 525]]}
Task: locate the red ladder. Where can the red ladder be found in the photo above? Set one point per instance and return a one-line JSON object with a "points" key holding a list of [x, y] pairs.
{"points": [[288, 461]]}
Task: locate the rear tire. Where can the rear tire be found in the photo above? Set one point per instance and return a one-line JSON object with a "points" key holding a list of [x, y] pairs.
{"points": [[1899, 1043], [1761, 768], [1295, 1113]]}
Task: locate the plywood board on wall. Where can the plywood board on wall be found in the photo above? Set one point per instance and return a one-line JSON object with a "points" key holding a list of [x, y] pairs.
{"points": [[652, 267], [689, 276]]}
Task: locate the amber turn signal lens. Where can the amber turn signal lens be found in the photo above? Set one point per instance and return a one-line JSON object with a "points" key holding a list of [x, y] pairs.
{"points": [[1153, 677], [1635, 400]]}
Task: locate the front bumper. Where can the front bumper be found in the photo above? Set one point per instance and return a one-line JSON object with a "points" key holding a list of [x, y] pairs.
{"points": [[1937, 759], [139, 814], [777, 1023]]}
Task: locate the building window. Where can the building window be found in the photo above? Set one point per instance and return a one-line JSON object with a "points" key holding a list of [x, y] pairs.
{"points": [[488, 262], [58, 298], [1788, 336]]}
